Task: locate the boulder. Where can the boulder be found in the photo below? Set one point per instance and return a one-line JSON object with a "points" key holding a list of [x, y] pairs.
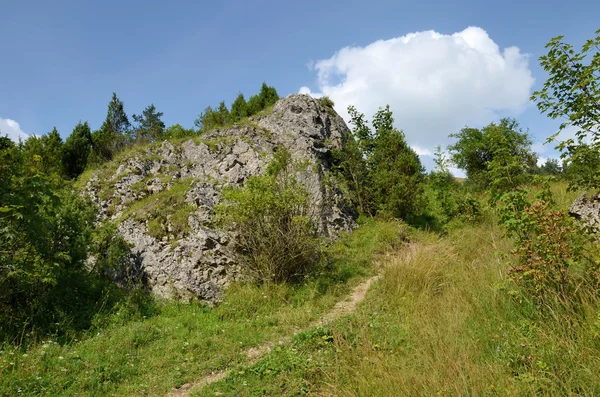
{"points": [[162, 196], [586, 208]]}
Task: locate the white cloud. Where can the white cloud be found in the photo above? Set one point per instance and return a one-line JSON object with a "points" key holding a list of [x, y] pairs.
{"points": [[421, 151], [434, 83], [12, 129], [541, 161], [457, 172]]}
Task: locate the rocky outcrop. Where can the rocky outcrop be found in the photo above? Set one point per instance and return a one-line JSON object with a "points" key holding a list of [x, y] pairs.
{"points": [[162, 196], [586, 208]]}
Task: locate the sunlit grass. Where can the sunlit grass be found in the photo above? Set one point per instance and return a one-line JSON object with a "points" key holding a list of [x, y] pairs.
{"points": [[178, 343]]}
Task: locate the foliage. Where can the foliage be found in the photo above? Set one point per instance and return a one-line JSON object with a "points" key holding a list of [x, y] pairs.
{"points": [[383, 174], [551, 168], [76, 150], [239, 108], [46, 237], [483, 152], [113, 259], [443, 185], [327, 103], [149, 125], [267, 97], [353, 173], [221, 116], [572, 93], [176, 131], [275, 238], [150, 347], [397, 176], [44, 152], [114, 133], [553, 265]]}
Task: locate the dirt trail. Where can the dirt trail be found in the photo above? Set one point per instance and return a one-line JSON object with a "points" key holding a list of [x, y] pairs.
{"points": [[341, 308]]}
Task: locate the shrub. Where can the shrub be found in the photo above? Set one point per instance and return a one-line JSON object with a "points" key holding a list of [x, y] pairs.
{"points": [[327, 103], [555, 258], [274, 237]]}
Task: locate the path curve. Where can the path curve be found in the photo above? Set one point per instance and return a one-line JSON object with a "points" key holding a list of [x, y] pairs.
{"points": [[340, 309], [254, 354]]}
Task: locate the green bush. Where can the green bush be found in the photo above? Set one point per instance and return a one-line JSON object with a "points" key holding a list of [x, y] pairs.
{"points": [[557, 262], [275, 238], [381, 172], [45, 234]]}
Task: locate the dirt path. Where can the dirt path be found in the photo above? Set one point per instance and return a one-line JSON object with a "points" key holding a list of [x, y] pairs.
{"points": [[341, 308]]}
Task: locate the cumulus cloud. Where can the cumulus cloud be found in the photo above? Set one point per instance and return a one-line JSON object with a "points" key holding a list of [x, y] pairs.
{"points": [[421, 151], [12, 129], [434, 83]]}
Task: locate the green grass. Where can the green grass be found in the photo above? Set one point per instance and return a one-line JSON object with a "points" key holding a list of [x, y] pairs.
{"points": [[169, 344], [444, 320]]}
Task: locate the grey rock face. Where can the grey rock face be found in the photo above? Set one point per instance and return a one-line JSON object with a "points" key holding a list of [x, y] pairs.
{"points": [[587, 210], [163, 196]]}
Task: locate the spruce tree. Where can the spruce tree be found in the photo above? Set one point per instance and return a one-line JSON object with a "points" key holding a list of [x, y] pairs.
{"points": [[239, 108], [113, 135]]}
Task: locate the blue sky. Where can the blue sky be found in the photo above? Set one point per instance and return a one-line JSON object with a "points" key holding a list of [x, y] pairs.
{"points": [[63, 59]]}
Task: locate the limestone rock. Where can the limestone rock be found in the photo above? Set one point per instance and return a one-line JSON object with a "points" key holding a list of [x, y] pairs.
{"points": [[587, 209], [163, 196]]}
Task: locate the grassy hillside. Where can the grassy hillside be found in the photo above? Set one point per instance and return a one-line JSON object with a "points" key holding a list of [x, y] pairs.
{"points": [[443, 320], [150, 351]]}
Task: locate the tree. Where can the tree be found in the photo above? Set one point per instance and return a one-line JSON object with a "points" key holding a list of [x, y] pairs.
{"points": [[397, 175], [361, 130], [10, 165], [550, 167], [150, 126], [45, 232], [43, 154], [478, 151], [222, 114], [443, 186], [205, 119], [213, 118], [52, 145], [351, 167], [113, 135], [266, 97], [239, 108], [383, 173], [76, 150], [572, 94]]}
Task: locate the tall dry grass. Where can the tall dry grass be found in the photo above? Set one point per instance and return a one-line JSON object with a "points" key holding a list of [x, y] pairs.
{"points": [[445, 320]]}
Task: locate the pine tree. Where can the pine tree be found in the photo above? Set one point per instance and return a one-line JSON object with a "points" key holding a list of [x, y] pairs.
{"points": [[150, 126]]}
